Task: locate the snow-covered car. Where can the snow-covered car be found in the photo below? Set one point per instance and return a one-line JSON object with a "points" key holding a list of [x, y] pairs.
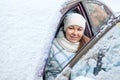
{"points": [[88, 64], [28, 27]]}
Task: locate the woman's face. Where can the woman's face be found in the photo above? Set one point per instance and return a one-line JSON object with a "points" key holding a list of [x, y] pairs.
{"points": [[74, 33]]}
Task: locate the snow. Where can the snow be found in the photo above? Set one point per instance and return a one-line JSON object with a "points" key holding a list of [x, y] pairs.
{"points": [[26, 31], [113, 5], [109, 46], [82, 78]]}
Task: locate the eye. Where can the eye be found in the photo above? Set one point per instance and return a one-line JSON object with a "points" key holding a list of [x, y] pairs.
{"points": [[80, 29], [70, 27]]}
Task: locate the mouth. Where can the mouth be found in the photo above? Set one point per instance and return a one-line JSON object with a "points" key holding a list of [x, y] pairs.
{"points": [[74, 38]]}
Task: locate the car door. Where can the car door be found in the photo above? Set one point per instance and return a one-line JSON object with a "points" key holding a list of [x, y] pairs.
{"points": [[78, 8], [100, 54], [96, 14], [101, 61]]}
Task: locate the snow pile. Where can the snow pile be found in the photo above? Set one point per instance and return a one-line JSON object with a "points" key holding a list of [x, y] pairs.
{"points": [[26, 31], [82, 78]]}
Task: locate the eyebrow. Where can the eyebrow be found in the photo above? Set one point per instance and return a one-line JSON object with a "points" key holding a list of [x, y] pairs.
{"points": [[76, 25]]}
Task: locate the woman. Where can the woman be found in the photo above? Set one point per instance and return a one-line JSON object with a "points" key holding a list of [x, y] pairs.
{"points": [[64, 48]]}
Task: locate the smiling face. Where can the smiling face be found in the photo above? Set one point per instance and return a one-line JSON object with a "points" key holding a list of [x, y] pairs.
{"points": [[74, 33]]}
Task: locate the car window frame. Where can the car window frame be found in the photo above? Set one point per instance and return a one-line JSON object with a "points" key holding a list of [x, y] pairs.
{"points": [[107, 10], [79, 5], [65, 10]]}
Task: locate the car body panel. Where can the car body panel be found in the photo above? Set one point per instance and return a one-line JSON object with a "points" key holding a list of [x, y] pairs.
{"points": [[27, 29], [82, 6], [101, 62]]}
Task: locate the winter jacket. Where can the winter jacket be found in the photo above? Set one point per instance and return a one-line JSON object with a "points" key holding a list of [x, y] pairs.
{"points": [[58, 58]]}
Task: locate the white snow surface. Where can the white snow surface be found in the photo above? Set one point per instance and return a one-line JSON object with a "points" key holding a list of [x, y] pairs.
{"points": [[82, 78], [113, 5], [109, 45], [26, 31]]}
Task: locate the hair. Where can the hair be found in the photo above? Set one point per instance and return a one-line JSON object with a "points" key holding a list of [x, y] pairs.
{"points": [[83, 41]]}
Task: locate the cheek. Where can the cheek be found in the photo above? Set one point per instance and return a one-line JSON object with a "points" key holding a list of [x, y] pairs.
{"points": [[67, 35], [68, 32], [80, 33]]}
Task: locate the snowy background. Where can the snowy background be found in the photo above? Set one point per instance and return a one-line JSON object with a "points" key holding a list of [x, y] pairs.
{"points": [[113, 5], [26, 30]]}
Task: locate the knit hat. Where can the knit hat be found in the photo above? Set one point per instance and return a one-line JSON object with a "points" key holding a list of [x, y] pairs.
{"points": [[74, 19]]}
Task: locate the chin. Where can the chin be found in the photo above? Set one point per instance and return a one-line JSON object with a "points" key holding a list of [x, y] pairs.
{"points": [[73, 41]]}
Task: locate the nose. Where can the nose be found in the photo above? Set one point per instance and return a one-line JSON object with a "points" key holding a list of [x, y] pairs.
{"points": [[75, 32]]}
